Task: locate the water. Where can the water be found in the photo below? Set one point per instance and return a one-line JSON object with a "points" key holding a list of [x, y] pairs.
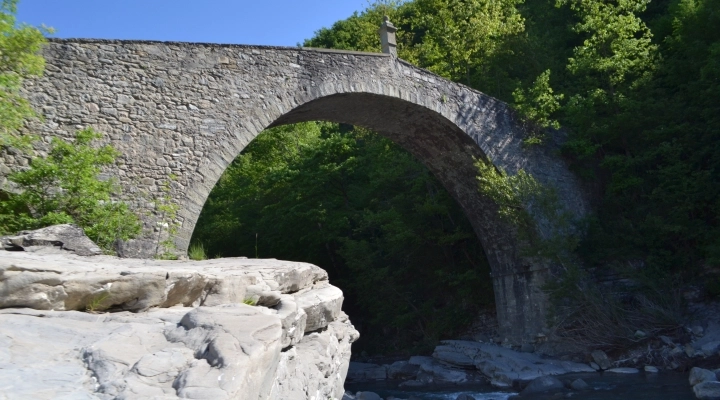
{"points": [[661, 386]]}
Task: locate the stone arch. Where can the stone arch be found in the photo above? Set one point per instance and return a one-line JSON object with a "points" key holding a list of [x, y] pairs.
{"points": [[433, 134], [184, 111]]}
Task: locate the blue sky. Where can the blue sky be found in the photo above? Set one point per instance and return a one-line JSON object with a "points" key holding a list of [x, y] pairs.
{"points": [[262, 22]]}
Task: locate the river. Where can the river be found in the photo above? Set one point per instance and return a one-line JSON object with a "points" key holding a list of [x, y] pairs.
{"points": [[641, 386]]}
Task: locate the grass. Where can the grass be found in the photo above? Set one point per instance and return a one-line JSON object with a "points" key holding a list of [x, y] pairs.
{"points": [[95, 304], [250, 301], [197, 252]]}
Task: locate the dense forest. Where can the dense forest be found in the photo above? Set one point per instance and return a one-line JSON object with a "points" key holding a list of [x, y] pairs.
{"points": [[634, 84]]}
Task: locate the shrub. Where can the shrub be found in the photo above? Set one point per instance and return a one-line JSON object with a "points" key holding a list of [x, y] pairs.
{"points": [[197, 252], [65, 187]]}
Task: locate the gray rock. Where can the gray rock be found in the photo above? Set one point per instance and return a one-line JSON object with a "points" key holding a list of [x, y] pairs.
{"points": [[364, 372], [402, 370], [136, 248], [710, 348], [543, 384], [709, 390], [438, 371], [322, 304], [651, 369], [601, 359], [66, 237], [699, 375], [579, 384], [503, 366], [623, 370], [667, 341], [318, 364], [454, 356], [367, 396], [163, 353], [594, 366], [67, 282]]}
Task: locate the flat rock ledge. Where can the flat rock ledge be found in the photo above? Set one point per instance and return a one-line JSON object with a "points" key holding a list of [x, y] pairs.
{"points": [[108, 328]]}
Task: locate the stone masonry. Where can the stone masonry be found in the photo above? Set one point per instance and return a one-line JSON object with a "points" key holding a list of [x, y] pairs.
{"points": [[179, 113]]}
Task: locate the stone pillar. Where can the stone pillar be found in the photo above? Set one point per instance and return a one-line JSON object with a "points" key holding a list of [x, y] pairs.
{"points": [[387, 37]]}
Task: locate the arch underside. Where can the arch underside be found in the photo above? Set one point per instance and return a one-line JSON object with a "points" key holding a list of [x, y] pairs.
{"points": [[449, 153], [446, 150]]}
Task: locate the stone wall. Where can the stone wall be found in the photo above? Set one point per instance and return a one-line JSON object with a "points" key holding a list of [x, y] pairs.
{"points": [[180, 113]]}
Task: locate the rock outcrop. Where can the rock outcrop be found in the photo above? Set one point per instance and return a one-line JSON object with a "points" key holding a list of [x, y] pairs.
{"points": [[65, 237], [108, 328]]}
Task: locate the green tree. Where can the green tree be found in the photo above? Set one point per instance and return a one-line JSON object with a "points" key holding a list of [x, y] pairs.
{"points": [[19, 59], [352, 202], [65, 187], [462, 36], [537, 104]]}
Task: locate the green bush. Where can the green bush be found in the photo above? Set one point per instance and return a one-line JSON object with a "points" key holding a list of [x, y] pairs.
{"points": [[197, 252], [64, 187]]}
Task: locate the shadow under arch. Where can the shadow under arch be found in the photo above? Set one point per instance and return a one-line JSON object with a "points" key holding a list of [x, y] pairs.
{"points": [[449, 153]]}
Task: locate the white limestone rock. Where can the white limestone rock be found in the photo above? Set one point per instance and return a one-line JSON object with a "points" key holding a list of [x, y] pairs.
{"points": [[192, 337], [316, 367], [70, 282], [322, 304]]}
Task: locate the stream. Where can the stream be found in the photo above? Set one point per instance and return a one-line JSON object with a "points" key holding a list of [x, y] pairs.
{"points": [[641, 386]]}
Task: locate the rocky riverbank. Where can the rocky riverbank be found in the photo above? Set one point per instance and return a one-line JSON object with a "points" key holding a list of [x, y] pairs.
{"points": [[101, 327]]}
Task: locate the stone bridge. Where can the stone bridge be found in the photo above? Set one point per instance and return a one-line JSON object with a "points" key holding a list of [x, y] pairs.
{"points": [[181, 112]]}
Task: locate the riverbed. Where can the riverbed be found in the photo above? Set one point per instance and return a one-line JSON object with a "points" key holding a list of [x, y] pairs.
{"points": [[605, 386]]}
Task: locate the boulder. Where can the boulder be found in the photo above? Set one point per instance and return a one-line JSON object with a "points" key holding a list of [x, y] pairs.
{"points": [[502, 366], [651, 369], [453, 356], [699, 375], [438, 372], [601, 359], [367, 396], [402, 370], [543, 384], [710, 348], [365, 372], [709, 390], [67, 237], [579, 384]]}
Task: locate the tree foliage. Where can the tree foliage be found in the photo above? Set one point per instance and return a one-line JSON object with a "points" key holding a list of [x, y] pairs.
{"points": [[64, 187], [351, 201], [635, 86], [19, 59]]}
